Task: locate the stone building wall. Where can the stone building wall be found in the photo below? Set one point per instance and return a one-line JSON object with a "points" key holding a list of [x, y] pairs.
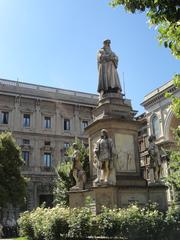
{"points": [[160, 121], [44, 122]]}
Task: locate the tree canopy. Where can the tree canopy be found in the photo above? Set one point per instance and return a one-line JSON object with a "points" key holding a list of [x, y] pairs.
{"points": [[12, 183], [163, 13]]}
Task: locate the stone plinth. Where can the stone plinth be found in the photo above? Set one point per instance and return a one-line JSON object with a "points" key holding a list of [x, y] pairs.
{"points": [[112, 104], [78, 198], [120, 196], [158, 194]]}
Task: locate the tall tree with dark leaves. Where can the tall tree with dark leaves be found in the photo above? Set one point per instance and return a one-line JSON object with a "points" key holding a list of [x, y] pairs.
{"points": [[12, 183]]}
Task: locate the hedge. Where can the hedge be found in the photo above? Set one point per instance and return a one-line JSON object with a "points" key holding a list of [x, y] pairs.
{"points": [[131, 223]]}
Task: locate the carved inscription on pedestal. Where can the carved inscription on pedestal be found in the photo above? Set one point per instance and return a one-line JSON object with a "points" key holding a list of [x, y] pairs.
{"points": [[126, 156]]}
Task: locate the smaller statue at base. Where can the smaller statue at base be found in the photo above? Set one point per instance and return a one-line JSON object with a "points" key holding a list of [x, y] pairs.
{"points": [[155, 160], [105, 154], [77, 169]]}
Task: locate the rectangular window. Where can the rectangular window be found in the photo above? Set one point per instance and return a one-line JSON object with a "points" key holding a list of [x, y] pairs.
{"points": [[26, 120], [26, 141], [84, 124], [4, 116], [47, 159], [25, 155], [47, 143], [66, 145], [66, 124], [47, 122]]}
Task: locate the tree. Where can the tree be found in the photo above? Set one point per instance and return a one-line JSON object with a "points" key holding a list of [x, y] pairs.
{"points": [[174, 176], [175, 101], [12, 183], [65, 178], [63, 184], [174, 165], [163, 13]]}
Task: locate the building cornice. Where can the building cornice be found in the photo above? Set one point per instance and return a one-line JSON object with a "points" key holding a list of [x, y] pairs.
{"points": [[40, 92], [158, 94]]}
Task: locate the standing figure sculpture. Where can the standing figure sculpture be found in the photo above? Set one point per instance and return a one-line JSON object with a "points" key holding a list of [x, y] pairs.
{"points": [[104, 157], [155, 160], [107, 67], [77, 169]]}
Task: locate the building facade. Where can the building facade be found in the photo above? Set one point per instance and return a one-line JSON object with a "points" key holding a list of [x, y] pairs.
{"points": [[160, 121], [44, 121]]}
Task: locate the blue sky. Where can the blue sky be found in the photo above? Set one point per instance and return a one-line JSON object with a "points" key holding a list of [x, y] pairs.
{"points": [[54, 43]]}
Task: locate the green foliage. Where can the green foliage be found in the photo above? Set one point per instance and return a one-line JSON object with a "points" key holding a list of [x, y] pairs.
{"points": [[26, 225], [44, 223], [131, 223], [65, 179], [175, 101], [165, 14], [80, 223], [169, 35], [158, 10], [172, 223], [84, 156], [174, 175], [63, 184], [12, 184], [20, 238], [174, 165]]}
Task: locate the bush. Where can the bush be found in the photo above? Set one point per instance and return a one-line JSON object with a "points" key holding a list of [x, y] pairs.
{"points": [[57, 225], [172, 223], [80, 223], [44, 223], [132, 223], [26, 225]]}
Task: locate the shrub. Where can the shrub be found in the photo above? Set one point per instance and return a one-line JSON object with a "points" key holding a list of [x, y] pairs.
{"points": [[44, 223], [26, 226], [172, 223], [132, 223], [57, 226], [80, 223]]}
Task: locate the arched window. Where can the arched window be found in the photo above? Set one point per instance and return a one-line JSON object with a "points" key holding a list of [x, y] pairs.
{"points": [[155, 126]]}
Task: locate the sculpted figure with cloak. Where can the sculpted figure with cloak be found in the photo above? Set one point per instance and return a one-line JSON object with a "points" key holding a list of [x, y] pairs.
{"points": [[107, 67]]}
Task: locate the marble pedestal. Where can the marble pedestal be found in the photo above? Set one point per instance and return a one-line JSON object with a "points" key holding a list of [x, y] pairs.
{"points": [[115, 114]]}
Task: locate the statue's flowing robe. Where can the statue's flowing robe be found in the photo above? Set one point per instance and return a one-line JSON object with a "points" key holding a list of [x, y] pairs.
{"points": [[107, 67]]}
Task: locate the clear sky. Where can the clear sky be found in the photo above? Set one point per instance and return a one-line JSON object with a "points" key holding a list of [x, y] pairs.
{"points": [[54, 43]]}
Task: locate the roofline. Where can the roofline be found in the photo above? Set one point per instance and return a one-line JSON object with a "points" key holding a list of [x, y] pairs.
{"points": [[158, 93], [46, 88], [158, 90]]}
